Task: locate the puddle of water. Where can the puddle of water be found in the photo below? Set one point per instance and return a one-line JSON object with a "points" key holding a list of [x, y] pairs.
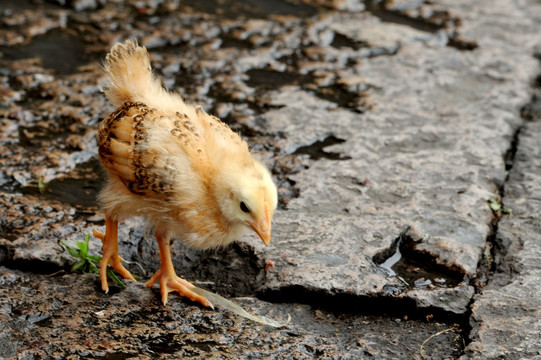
{"points": [[18, 5], [230, 41], [254, 8], [393, 16], [59, 50], [437, 20], [80, 189], [37, 136], [268, 79], [340, 96], [462, 44], [416, 269], [342, 41], [316, 150], [391, 261], [116, 356], [272, 79]]}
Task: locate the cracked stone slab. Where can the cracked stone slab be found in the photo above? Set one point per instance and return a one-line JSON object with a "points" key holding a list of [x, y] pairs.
{"points": [[419, 144], [427, 158], [505, 316]]}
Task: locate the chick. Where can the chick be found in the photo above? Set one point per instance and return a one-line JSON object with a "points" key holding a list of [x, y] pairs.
{"points": [[182, 169]]}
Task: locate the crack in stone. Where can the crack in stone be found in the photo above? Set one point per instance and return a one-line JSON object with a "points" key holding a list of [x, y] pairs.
{"points": [[347, 303], [497, 266], [496, 251]]}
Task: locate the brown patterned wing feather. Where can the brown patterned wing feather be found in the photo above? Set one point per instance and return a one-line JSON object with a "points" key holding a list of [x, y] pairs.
{"points": [[125, 148]]}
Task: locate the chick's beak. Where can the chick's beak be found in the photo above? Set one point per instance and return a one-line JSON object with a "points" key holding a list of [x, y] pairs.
{"points": [[262, 227]]}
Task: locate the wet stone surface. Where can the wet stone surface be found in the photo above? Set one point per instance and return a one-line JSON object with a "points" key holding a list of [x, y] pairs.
{"points": [[81, 321], [388, 127]]}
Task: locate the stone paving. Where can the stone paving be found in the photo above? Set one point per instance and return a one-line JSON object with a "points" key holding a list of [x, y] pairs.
{"points": [[393, 129]]}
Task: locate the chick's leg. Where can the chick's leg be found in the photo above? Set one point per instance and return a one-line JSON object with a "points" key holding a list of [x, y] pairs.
{"points": [[110, 253], [169, 281]]}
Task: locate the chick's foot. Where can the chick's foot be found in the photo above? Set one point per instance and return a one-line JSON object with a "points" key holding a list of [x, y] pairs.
{"points": [[110, 254], [169, 281]]}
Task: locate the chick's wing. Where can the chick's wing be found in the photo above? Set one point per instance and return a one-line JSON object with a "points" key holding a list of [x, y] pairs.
{"points": [[146, 149]]}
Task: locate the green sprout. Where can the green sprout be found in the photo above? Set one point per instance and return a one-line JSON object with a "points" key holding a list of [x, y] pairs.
{"points": [[42, 185], [497, 206], [88, 263]]}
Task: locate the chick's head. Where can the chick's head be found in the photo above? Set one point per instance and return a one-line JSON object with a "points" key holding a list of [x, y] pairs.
{"points": [[248, 197]]}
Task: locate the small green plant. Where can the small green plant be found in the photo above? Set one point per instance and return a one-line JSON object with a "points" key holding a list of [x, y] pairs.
{"points": [[88, 263], [498, 207], [42, 185]]}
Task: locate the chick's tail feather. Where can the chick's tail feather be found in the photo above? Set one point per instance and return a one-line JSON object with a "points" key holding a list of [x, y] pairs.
{"points": [[130, 76]]}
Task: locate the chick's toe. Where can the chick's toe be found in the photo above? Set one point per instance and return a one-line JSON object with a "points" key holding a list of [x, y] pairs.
{"points": [[110, 254], [169, 282]]}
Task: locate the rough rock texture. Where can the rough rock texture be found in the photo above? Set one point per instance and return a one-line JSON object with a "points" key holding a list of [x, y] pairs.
{"points": [[79, 321], [425, 158], [388, 127], [505, 317]]}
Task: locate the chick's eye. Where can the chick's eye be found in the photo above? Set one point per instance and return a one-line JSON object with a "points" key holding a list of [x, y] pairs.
{"points": [[243, 207]]}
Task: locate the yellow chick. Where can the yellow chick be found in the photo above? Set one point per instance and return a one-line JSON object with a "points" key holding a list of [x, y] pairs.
{"points": [[182, 169]]}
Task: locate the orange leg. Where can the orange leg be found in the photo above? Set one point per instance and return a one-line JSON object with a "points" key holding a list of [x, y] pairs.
{"points": [[110, 253], [169, 281]]}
